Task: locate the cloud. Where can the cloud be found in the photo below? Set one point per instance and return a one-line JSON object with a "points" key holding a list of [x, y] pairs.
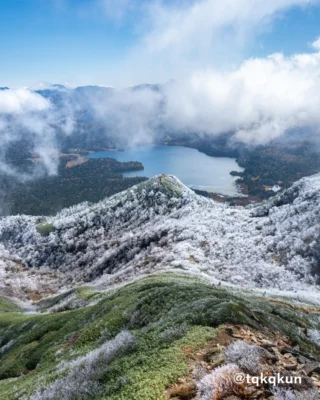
{"points": [[21, 101], [116, 10], [316, 44], [179, 37], [130, 116], [27, 116], [201, 43], [259, 101], [181, 25]]}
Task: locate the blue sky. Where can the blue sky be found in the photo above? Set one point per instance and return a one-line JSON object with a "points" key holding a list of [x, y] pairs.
{"points": [[291, 33], [104, 41], [41, 41]]}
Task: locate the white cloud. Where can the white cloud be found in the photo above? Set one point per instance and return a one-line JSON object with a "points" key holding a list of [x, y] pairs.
{"points": [[196, 42], [27, 115], [116, 10], [21, 101], [130, 116], [195, 34], [316, 44], [259, 101], [201, 43], [191, 24]]}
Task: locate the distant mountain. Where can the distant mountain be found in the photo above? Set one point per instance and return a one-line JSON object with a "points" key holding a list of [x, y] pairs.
{"points": [[99, 116], [46, 86], [93, 90], [98, 113], [147, 86]]}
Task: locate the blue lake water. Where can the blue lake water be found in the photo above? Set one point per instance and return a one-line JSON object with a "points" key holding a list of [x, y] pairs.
{"points": [[196, 170]]}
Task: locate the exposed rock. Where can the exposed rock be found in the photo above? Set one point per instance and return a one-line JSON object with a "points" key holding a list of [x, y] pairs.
{"points": [[312, 367]]}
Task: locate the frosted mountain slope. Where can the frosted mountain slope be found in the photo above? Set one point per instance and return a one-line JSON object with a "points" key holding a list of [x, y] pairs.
{"points": [[161, 225]]}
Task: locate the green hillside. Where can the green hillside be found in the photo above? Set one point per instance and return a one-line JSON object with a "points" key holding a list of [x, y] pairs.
{"points": [[134, 342]]}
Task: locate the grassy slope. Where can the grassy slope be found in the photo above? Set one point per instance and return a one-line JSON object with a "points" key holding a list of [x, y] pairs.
{"points": [[166, 314], [6, 305]]}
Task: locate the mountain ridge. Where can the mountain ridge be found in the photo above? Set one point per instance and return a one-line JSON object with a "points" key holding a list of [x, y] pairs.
{"points": [[161, 226]]}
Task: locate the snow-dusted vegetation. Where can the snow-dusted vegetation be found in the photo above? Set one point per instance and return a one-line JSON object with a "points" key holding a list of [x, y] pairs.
{"points": [[220, 383], [161, 225], [146, 339], [288, 394], [246, 356], [82, 380], [314, 335]]}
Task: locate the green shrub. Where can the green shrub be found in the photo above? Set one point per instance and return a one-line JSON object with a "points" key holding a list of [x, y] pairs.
{"points": [[44, 229]]}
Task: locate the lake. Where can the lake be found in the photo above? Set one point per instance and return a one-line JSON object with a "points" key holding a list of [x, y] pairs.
{"points": [[196, 170]]}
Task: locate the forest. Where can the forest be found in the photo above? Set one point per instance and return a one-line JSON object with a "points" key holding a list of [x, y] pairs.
{"points": [[91, 181]]}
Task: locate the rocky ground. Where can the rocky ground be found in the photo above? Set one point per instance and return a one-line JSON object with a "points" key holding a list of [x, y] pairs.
{"points": [[277, 355]]}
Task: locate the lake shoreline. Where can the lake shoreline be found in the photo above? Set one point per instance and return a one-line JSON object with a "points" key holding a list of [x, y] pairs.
{"points": [[194, 168]]}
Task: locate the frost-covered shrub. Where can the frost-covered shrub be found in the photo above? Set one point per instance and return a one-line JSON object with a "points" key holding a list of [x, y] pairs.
{"points": [[65, 304], [288, 394], [82, 378], [282, 394], [219, 384], [314, 335], [173, 333], [246, 356], [6, 346]]}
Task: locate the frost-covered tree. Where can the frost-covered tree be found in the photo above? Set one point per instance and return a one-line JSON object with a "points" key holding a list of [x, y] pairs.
{"points": [[160, 225]]}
